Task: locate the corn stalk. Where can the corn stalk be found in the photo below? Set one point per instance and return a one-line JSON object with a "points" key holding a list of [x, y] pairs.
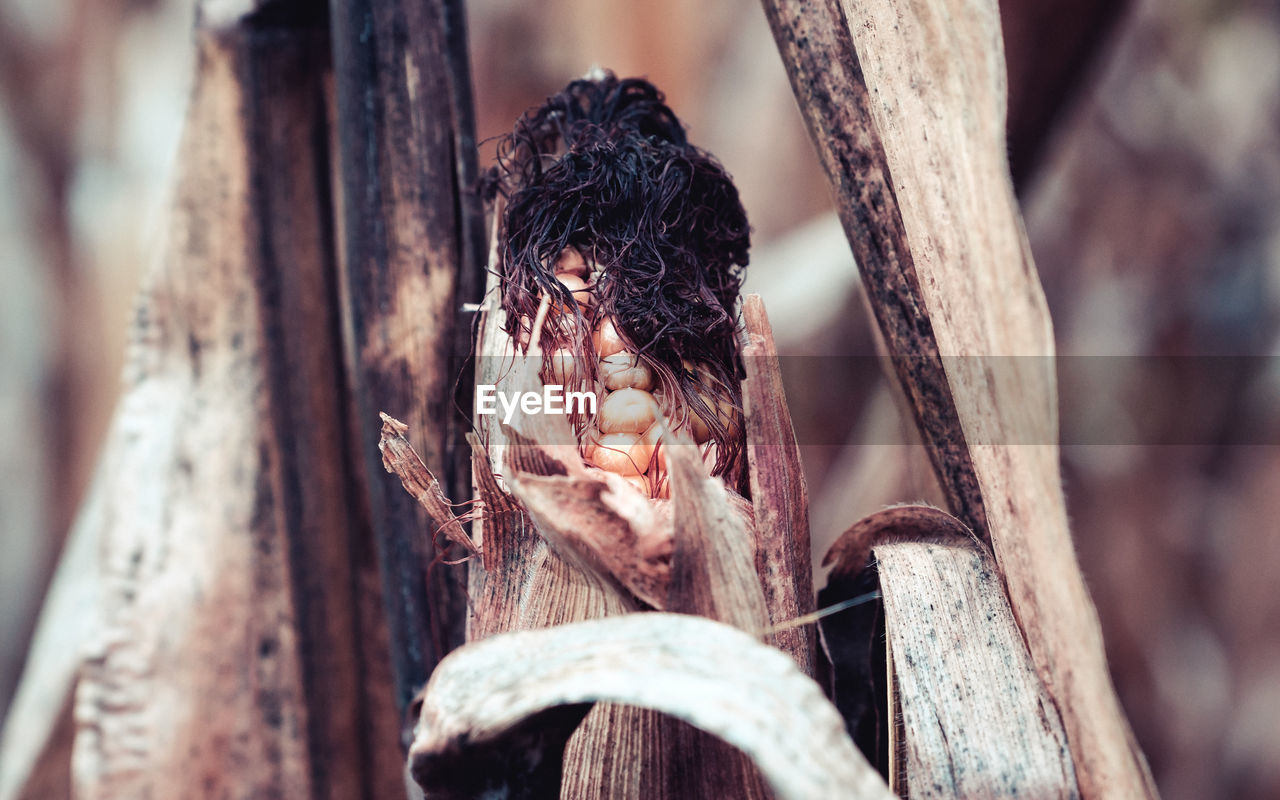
{"points": [[258, 614], [894, 94]]}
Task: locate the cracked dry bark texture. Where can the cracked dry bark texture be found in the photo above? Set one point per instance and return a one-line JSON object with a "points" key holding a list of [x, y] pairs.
{"points": [[906, 105]]}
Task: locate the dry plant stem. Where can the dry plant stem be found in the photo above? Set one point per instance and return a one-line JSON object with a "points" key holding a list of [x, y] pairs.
{"points": [[400, 251], [231, 655], [779, 496], [481, 700], [473, 240], [828, 82], [906, 104]]}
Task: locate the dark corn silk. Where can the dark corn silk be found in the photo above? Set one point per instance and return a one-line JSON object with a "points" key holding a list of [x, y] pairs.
{"points": [[605, 167]]}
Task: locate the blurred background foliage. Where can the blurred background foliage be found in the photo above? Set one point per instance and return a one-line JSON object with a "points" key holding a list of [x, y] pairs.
{"points": [[1145, 142]]}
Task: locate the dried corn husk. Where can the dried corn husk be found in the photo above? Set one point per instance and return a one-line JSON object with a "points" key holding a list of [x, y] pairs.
{"points": [[971, 717], [497, 713]]}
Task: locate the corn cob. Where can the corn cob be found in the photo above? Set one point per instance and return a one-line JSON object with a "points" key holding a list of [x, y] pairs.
{"points": [[636, 240]]}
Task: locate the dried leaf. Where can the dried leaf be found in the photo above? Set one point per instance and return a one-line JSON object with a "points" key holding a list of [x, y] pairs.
{"points": [[848, 555], [975, 719], [492, 704], [779, 495], [603, 526], [400, 459], [906, 101], [972, 718], [714, 563]]}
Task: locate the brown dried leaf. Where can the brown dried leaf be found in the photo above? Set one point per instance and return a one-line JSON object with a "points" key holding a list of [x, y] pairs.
{"points": [[492, 705], [975, 719], [779, 495], [714, 563], [400, 459], [603, 526], [848, 555]]}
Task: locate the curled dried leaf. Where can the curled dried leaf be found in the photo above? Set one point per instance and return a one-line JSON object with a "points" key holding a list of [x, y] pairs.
{"points": [[492, 705], [605, 526]]}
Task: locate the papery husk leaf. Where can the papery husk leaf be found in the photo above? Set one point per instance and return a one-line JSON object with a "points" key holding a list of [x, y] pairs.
{"points": [[400, 459], [489, 697], [971, 717], [779, 495]]}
